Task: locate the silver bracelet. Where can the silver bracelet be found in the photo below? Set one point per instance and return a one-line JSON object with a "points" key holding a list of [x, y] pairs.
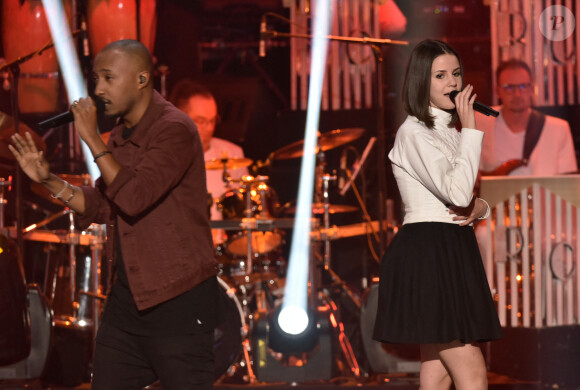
{"points": [[59, 194], [487, 212], [72, 195]]}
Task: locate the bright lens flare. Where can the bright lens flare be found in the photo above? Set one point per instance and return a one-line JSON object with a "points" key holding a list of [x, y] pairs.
{"points": [[70, 68], [293, 320], [296, 291]]}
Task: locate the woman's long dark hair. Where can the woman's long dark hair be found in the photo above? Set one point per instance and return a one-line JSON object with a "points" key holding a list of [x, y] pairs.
{"points": [[417, 84]]}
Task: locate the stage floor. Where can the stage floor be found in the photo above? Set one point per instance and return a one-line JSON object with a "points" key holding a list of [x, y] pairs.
{"points": [[382, 382]]}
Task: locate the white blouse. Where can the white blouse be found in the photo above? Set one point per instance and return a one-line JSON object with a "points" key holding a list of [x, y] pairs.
{"points": [[435, 168]]}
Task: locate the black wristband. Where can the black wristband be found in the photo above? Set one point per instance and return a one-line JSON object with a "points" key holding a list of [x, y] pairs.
{"points": [[98, 156]]}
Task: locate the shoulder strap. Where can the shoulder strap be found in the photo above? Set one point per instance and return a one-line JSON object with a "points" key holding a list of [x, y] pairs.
{"points": [[533, 131]]}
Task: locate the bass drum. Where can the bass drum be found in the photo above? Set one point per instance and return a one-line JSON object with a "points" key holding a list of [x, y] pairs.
{"points": [[228, 336]]}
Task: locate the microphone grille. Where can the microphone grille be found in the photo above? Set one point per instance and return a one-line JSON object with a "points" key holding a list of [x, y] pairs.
{"points": [[452, 95], [100, 105]]}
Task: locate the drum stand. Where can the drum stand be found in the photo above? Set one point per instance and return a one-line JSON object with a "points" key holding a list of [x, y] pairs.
{"points": [[248, 223], [253, 218]]}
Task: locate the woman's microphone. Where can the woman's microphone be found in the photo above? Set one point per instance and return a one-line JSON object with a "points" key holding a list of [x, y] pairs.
{"points": [[477, 106]]}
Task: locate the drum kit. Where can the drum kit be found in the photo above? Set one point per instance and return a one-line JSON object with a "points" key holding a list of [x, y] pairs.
{"points": [[251, 209], [252, 261]]}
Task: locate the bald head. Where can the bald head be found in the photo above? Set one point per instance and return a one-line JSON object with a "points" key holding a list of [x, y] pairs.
{"points": [[135, 49], [122, 72]]}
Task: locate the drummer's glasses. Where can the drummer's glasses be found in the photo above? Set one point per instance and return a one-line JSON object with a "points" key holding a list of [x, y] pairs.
{"points": [[202, 122], [512, 88]]}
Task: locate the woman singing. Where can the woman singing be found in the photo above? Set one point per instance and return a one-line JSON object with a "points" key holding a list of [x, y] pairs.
{"points": [[433, 289]]}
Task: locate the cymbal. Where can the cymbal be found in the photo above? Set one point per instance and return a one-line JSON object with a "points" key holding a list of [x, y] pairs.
{"points": [[75, 180], [6, 131], [326, 141], [230, 163], [318, 208]]}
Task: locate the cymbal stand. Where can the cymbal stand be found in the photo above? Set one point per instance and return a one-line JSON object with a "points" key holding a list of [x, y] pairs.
{"points": [[325, 179], [248, 214], [326, 221], [263, 215], [327, 253], [343, 340], [245, 333], [225, 175], [249, 225]]}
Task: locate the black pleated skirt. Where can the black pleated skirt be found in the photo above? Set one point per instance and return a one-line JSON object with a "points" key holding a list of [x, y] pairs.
{"points": [[433, 288]]}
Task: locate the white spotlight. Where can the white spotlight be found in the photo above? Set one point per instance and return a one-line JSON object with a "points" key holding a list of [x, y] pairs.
{"points": [[293, 320]]}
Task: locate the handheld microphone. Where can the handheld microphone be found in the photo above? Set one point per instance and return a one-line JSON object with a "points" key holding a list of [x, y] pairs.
{"points": [[477, 106], [66, 117], [262, 44]]}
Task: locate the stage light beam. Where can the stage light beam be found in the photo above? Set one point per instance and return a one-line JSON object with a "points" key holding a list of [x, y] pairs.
{"points": [[70, 68], [293, 317]]}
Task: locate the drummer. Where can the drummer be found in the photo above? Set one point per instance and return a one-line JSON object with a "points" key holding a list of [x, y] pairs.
{"points": [[199, 103]]}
